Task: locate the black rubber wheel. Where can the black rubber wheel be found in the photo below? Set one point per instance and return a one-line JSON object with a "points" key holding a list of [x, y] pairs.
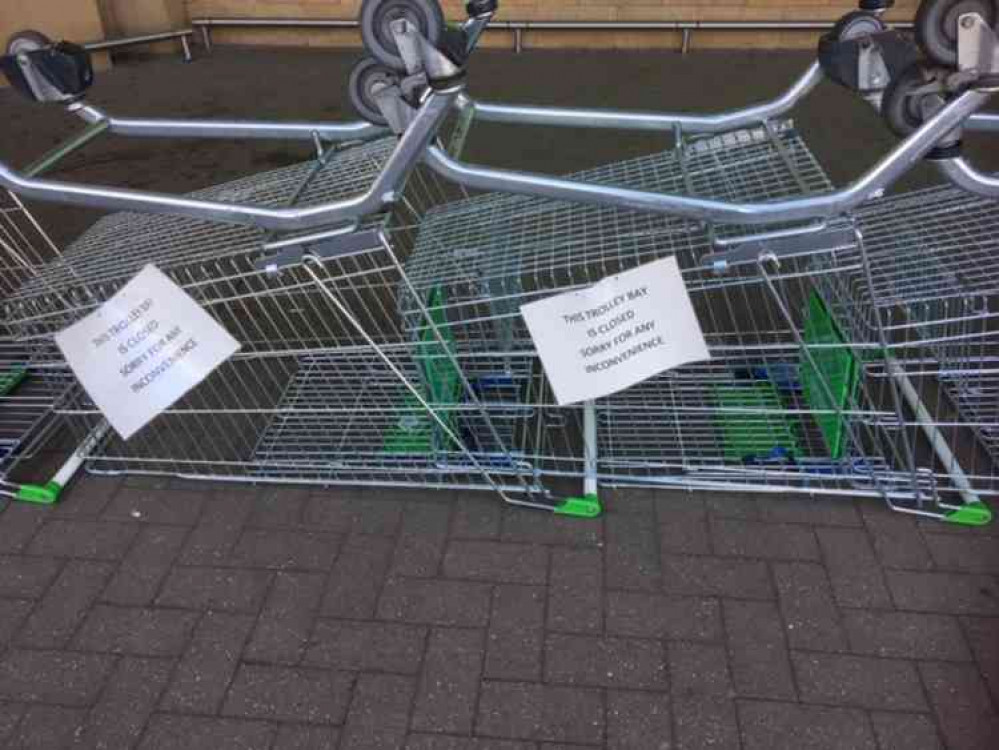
{"points": [[857, 24], [936, 25], [366, 74], [901, 107], [377, 17], [27, 41]]}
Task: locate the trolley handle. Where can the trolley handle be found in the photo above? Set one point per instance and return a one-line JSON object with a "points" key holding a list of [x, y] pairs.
{"points": [[49, 72], [415, 144], [873, 184], [383, 191], [842, 61]]}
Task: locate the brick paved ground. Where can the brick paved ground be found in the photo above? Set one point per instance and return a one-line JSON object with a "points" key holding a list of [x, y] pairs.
{"points": [[172, 615], [180, 616]]}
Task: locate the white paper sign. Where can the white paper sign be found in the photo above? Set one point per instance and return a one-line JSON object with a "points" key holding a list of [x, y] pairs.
{"points": [[616, 333], [143, 349]]}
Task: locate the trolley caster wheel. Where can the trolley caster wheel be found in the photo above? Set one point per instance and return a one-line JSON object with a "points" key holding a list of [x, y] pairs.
{"points": [[27, 41], [366, 77], [857, 24], [936, 25], [376, 26], [911, 98]]}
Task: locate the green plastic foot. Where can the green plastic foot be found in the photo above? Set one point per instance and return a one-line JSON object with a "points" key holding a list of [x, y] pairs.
{"points": [[587, 506], [47, 494], [972, 514]]}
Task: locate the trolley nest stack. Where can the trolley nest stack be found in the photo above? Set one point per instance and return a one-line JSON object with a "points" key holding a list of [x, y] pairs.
{"points": [[376, 291], [32, 380]]}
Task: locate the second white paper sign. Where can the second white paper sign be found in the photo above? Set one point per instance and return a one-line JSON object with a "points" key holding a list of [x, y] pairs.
{"points": [[621, 331]]}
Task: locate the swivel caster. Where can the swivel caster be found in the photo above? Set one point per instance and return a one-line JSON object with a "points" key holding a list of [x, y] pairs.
{"points": [[877, 6], [913, 97], [376, 22], [859, 23], [936, 25], [366, 78], [44, 71], [27, 41]]}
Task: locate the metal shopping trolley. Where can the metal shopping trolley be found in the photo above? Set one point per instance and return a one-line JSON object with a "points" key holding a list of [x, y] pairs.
{"points": [[32, 380], [377, 305]]}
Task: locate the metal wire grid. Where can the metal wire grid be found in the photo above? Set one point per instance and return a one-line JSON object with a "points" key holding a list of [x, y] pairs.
{"points": [[935, 243], [935, 264], [120, 244], [306, 331], [292, 315], [214, 261], [346, 419], [344, 416], [493, 253], [484, 257], [26, 400], [488, 255]]}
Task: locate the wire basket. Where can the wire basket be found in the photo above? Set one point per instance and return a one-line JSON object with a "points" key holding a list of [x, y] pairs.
{"points": [[30, 379]]}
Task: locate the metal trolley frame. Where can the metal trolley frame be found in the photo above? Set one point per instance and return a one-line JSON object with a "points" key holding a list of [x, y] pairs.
{"points": [[320, 249]]}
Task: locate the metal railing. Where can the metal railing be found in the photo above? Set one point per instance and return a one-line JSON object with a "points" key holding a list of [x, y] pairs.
{"points": [[520, 28], [183, 35]]}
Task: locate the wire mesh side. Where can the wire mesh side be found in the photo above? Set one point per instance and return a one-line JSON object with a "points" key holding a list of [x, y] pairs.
{"points": [[934, 290], [746, 420], [31, 381], [404, 410]]}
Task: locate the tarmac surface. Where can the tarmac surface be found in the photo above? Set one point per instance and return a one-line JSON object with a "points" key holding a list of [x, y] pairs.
{"points": [[161, 614]]}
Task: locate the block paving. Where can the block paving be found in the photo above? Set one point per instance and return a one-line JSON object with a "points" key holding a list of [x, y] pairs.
{"points": [[160, 614]]}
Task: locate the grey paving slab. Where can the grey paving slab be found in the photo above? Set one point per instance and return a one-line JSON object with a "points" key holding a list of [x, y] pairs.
{"points": [[515, 638], [287, 618], [54, 677], [168, 732], [605, 662], [311, 696], [863, 682], [379, 713], [448, 689], [785, 726], [576, 591], [367, 646], [202, 676], [658, 616]]}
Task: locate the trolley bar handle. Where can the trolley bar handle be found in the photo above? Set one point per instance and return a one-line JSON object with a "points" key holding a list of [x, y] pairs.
{"points": [[486, 111], [899, 162], [358, 130], [983, 122], [383, 191], [966, 177], [515, 114], [415, 143]]}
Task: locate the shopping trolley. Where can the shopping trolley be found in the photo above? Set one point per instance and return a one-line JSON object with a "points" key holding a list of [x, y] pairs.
{"points": [[363, 363], [32, 379]]}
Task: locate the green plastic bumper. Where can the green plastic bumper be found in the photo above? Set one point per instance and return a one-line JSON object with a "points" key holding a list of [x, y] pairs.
{"points": [[47, 494], [972, 514], [587, 506]]}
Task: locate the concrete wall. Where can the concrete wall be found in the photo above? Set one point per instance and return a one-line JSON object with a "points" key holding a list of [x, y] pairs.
{"points": [[575, 10], [75, 20], [123, 18], [82, 19]]}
